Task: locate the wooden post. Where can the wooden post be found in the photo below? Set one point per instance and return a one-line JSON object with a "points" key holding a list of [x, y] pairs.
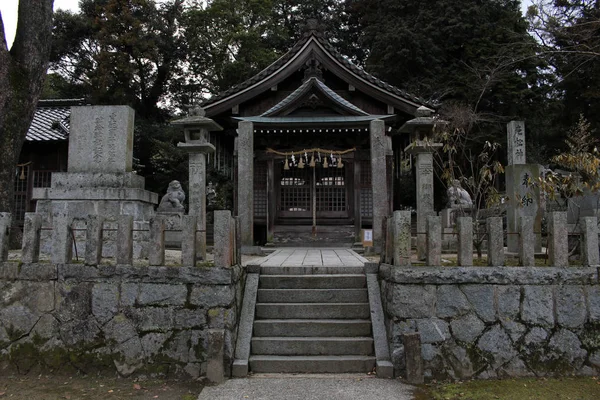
{"points": [[414, 360], [271, 199], [357, 189], [314, 202]]}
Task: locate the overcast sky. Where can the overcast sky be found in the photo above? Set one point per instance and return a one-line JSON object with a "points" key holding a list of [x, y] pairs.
{"points": [[8, 8]]}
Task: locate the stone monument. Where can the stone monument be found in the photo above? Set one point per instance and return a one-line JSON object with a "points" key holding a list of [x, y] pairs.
{"points": [[521, 189], [99, 178], [196, 127]]}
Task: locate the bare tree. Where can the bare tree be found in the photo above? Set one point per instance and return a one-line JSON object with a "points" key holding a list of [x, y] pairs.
{"points": [[22, 72]]}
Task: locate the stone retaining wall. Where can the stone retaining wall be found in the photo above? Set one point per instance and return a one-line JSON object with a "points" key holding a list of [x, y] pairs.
{"points": [[143, 320], [495, 322]]}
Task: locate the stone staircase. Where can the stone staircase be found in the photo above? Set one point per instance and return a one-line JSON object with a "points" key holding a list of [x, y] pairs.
{"points": [[307, 321]]}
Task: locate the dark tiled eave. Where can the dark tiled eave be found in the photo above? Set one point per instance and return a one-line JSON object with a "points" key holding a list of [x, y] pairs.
{"points": [[51, 120]]}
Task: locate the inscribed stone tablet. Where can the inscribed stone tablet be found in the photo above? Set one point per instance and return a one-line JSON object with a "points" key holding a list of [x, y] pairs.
{"points": [[101, 139], [516, 142]]}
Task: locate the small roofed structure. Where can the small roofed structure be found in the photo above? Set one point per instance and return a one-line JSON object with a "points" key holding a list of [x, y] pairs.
{"points": [[44, 151]]}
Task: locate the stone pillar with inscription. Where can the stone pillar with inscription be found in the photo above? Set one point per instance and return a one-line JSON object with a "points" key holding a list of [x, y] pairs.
{"points": [[245, 181], [196, 127], [424, 170], [99, 178], [523, 195], [379, 149]]}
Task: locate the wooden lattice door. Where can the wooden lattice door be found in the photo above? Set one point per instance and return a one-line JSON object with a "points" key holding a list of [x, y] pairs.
{"points": [[301, 189], [331, 192]]}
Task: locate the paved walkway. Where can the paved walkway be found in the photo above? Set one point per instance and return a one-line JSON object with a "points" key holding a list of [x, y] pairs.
{"points": [[295, 257], [309, 387]]}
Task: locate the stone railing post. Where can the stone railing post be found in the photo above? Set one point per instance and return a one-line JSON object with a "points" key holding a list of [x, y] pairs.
{"points": [[62, 239], [495, 241], [215, 369], [401, 238], [5, 223], [32, 230], [526, 241], [464, 226], [413, 358], [589, 241], [93, 239], [156, 245], [125, 240], [434, 241], [189, 226], [558, 251], [223, 237]]}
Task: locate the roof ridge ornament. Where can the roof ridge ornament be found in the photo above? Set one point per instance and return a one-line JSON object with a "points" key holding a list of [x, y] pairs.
{"points": [[313, 27], [313, 69]]}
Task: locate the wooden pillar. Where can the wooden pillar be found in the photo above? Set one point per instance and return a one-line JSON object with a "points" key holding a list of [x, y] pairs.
{"points": [[271, 199], [356, 191]]}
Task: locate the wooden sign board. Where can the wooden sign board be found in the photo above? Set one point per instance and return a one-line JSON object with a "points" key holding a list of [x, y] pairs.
{"points": [[367, 237]]}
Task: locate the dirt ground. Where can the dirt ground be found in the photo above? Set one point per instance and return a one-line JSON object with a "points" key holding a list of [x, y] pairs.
{"points": [[46, 387]]}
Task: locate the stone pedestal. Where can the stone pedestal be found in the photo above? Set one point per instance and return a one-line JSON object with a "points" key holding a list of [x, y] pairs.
{"points": [[99, 180], [523, 201]]}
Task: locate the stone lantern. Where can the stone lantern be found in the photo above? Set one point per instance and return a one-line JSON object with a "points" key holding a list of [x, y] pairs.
{"points": [[196, 127], [419, 130]]}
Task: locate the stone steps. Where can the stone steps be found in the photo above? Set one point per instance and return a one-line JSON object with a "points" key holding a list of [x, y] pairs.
{"points": [[313, 345], [332, 281], [314, 328], [312, 295], [312, 270], [312, 323], [311, 364], [312, 310]]}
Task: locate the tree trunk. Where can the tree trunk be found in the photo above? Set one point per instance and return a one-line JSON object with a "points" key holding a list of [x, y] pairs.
{"points": [[22, 73]]}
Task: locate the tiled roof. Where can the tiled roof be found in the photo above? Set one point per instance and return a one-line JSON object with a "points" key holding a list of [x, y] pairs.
{"points": [[51, 120], [339, 57]]}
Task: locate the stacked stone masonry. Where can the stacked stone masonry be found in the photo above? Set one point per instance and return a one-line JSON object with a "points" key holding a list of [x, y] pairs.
{"points": [[495, 322], [99, 315], [143, 320]]}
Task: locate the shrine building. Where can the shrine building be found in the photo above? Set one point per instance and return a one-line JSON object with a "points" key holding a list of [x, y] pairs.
{"points": [[319, 144]]}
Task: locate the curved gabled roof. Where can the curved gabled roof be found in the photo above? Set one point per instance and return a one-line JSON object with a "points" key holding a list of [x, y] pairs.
{"points": [[307, 87], [313, 45]]}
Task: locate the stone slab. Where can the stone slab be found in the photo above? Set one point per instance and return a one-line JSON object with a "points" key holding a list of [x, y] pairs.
{"points": [[492, 275], [523, 201], [101, 139]]}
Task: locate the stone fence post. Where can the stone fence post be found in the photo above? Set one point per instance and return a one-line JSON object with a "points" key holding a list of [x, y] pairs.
{"points": [[5, 222], [465, 241], [32, 230], [156, 245], [526, 241], [189, 226], [224, 238], [558, 250], [401, 238], [125, 240], [434, 241], [62, 239], [495, 241], [93, 239], [589, 241]]}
